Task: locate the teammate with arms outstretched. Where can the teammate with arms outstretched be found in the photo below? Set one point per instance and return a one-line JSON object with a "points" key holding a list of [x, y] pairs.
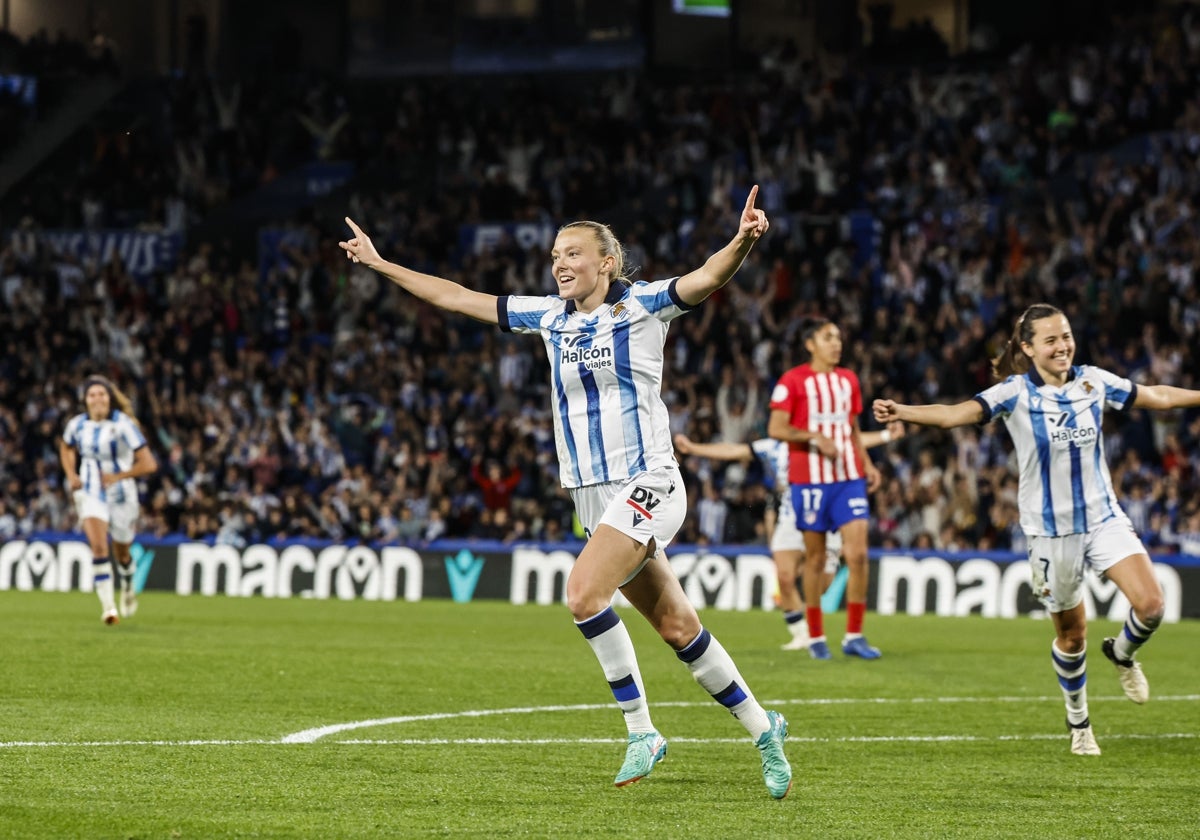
{"points": [[1069, 511], [785, 540], [605, 337], [103, 453], [814, 409]]}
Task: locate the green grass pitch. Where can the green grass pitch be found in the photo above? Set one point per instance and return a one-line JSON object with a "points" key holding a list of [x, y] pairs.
{"points": [[230, 717]]}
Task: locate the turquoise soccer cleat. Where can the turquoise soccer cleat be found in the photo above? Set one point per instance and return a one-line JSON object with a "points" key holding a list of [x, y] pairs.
{"points": [[777, 773], [644, 751]]}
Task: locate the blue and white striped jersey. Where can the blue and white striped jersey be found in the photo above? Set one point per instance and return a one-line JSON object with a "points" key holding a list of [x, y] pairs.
{"points": [[606, 371], [105, 446], [774, 456], [1064, 486]]}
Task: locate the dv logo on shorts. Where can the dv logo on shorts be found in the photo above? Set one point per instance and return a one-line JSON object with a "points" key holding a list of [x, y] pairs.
{"points": [[642, 501]]}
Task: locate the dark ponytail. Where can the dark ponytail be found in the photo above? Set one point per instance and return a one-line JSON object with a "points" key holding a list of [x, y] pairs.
{"points": [[1013, 360]]}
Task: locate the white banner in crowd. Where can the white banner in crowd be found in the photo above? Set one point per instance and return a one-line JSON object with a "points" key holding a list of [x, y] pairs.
{"points": [[144, 253]]}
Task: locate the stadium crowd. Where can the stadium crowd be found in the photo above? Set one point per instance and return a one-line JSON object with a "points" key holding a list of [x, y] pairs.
{"points": [[921, 210]]}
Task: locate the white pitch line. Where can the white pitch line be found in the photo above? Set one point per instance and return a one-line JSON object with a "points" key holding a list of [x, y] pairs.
{"points": [[308, 736]]}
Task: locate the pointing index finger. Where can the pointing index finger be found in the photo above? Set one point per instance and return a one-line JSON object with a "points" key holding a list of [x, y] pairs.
{"points": [[750, 198], [357, 230]]}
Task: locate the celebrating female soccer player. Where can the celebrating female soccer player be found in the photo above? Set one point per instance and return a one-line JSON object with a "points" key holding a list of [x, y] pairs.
{"points": [[814, 409], [786, 541], [605, 336], [103, 453], [1068, 509]]}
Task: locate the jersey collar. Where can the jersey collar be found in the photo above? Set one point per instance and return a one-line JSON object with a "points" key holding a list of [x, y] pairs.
{"points": [[1037, 380], [616, 291]]}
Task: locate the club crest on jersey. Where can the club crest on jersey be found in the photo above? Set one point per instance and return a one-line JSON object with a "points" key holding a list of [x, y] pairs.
{"points": [[642, 501], [1087, 387], [810, 517], [619, 310]]}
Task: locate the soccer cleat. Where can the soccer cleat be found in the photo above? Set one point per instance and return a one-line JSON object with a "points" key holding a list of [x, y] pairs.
{"points": [[645, 749], [110, 617], [799, 638], [129, 603], [1129, 672], [858, 647], [777, 773], [1083, 741], [819, 650]]}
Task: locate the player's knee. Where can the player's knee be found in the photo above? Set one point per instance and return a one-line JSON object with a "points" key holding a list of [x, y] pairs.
{"points": [[1072, 639], [679, 631], [1150, 611], [584, 604]]}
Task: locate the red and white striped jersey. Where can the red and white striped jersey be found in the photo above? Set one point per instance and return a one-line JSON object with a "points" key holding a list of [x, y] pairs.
{"points": [[828, 404]]}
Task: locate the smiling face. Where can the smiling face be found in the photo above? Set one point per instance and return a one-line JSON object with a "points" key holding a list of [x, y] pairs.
{"points": [[825, 347], [1052, 347], [98, 402], [582, 272]]}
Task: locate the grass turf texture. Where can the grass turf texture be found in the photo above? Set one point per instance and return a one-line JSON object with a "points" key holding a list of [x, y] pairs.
{"points": [[957, 731]]}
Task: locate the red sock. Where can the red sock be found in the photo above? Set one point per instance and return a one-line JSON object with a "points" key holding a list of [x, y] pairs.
{"points": [[816, 622], [854, 616]]}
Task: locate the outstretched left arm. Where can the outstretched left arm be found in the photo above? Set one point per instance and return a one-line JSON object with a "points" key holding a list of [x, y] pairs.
{"points": [[695, 286], [1161, 397]]}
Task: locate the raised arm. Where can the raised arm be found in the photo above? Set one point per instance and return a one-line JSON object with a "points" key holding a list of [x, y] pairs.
{"points": [[719, 269], [720, 451], [442, 293], [1162, 397], [945, 416]]}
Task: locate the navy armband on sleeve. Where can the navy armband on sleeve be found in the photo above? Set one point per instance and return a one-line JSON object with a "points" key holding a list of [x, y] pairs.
{"points": [[502, 313], [987, 409]]}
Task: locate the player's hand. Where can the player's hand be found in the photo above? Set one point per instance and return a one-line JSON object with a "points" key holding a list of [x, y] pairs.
{"points": [[360, 248], [754, 222], [874, 477], [75, 482], [825, 445], [885, 411], [109, 479], [896, 430], [683, 443]]}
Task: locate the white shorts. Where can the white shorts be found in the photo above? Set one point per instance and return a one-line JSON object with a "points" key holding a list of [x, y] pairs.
{"points": [[1056, 564], [120, 516], [786, 537], [648, 506]]}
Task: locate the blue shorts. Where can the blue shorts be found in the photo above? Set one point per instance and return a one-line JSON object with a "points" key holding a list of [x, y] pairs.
{"points": [[827, 507]]}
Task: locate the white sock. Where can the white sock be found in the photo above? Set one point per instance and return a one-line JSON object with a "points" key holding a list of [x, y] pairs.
{"points": [[1072, 679], [713, 668], [610, 641], [103, 582], [1133, 635]]}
